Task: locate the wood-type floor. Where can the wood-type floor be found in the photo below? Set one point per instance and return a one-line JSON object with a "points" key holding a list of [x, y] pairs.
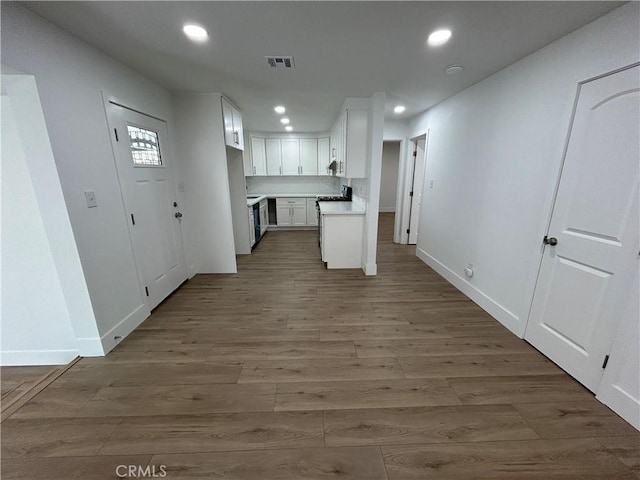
{"points": [[289, 371]]}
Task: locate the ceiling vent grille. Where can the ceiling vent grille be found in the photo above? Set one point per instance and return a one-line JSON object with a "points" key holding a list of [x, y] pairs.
{"points": [[280, 62]]}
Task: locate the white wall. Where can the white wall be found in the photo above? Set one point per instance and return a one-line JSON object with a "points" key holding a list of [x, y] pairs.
{"points": [[395, 129], [328, 185], [36, 323], [495, 152], [208, 223], [389, 180], [370, 187], [71, 77]]}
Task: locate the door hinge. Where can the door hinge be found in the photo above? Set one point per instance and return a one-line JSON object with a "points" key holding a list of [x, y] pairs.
{"points": [[606, 360], [411, 194], [146, 289], [407, 230], [415, 153], [133, 220], [115, 130]]}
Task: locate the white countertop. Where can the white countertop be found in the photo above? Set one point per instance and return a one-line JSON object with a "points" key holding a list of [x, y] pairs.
{"points": [[253, 201], [341, 208]]}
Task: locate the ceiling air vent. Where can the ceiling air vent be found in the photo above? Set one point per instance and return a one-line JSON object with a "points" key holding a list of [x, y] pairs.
{"points": [[280, 62]]}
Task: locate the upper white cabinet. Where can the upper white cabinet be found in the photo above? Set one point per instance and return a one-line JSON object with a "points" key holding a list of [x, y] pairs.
{"points": [[283, 156], [233, 133], [273, 153], [324, 157], [258, 156], [308, 156], [290, 156], [349, 143]]}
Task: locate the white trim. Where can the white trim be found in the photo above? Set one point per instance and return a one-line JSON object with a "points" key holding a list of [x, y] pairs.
{"points": [[124, 328], [90, 347], [387, 209], [37, 357], [370, 269], [493, 308]]}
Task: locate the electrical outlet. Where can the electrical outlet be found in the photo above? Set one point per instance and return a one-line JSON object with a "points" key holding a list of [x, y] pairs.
{"points": [[90, 196]]}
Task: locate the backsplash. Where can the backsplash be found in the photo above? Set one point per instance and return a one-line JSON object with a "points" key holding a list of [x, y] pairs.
{"points": [[275, 185], [360, 189]]}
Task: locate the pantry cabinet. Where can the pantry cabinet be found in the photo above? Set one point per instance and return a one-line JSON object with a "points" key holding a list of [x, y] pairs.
{"points": [[232, 120]]}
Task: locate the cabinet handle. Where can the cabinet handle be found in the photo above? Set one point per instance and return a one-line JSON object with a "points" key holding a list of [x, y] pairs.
{"points": [[254, 169], [300, 169], [280, 169], [236, 137]]}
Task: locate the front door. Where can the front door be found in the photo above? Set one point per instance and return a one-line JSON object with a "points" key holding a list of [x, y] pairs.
{"points": [[148, 188], [591, 253], [416, 189]]}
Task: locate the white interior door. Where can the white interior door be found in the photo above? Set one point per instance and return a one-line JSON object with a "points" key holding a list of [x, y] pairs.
{"points": [[586, 277], [416, 198], [148, 188]]}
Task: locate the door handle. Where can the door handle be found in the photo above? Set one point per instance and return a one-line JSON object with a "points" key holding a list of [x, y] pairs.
{"points": [[178, 215], [553, 241]]}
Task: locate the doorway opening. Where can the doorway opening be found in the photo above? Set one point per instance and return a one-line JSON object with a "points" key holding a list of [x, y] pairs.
{"points": [[411, 179]]}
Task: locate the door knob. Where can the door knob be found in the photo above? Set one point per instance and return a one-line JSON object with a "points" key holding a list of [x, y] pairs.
{"points": [[178, 215], [550, 240]]}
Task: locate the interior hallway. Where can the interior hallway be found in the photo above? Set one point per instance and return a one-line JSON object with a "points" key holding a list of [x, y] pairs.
{"points": [[291, 371]]}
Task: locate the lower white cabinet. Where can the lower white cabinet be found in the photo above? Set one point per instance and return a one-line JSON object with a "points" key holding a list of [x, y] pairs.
{"points": [[291, 212], [312, 215], [264, 217], [252, 231], [341, 242]]}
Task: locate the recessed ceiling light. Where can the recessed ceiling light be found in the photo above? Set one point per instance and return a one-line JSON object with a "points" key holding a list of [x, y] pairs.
{"points": [[452, 69], [195, 33], [439, 37], [399, 109], [284, 120], [280, 109], [288, 128]]}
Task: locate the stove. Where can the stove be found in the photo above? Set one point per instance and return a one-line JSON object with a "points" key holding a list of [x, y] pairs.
{"points": [[345, 197]]}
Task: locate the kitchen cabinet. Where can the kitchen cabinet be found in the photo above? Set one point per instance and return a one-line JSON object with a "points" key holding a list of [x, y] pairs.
{"points": [[258, 156], [349, 143], [308, 156], [232, 119], [291, 212], [288, 156], [252, 231], [341, 240], [324, 157], [264, 217], [273, 156], [290, 148], [312, 216]]}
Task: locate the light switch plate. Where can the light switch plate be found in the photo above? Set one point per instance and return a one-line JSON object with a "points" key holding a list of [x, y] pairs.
{"points": [[90, 196]]}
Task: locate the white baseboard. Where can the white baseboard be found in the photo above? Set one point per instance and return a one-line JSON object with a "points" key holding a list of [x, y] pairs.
{"points": [[370, 269], [124, 328], [14, 358], [90, 347], [387, 209], [493, 308]]}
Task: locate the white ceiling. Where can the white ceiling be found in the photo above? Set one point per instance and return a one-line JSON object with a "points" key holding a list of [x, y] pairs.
{"points": [[341, 49]]}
